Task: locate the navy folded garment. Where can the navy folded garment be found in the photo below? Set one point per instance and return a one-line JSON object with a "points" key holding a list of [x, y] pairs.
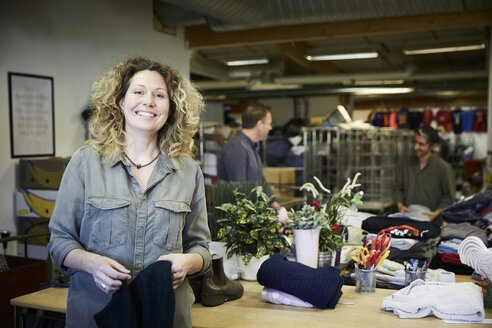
{"points": [[321, 287]]}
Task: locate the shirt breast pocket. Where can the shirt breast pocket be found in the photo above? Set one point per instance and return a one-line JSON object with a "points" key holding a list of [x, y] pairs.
{"points": [[110, 217], [168, 223]]}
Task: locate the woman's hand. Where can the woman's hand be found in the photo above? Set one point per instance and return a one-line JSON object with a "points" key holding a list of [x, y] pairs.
{"points": [[108, 274], [183, 265]]}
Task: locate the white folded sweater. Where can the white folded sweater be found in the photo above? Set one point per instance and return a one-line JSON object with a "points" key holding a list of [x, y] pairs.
{"points": [[461, 302]]}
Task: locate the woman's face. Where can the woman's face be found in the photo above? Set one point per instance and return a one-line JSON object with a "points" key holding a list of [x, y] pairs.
{"points": [[146, 103]]}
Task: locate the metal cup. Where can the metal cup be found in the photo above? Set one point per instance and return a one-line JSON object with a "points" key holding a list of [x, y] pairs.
{"points": [[413, 275], [365, 280]]}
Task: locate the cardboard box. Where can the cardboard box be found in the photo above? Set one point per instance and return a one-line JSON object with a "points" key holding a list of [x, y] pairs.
{"points": [[41, 173], [35, 202], [280, 175], [23, 277], [30, 225], [283, 191], [282, 180]]}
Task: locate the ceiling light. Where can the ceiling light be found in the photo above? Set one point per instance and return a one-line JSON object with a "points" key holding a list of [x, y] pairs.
{"points": [[344, 113], [247, 62], [381, 82], [358, 55], [273, 86], [443, 49], [379, 91]]}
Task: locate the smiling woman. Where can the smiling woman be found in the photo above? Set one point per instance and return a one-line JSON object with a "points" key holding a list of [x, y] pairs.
{"points": [[133, 196]]}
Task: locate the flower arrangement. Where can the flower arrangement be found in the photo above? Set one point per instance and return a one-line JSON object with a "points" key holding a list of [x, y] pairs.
{"points": [[332, 233], [308, 217], [249, 225]]}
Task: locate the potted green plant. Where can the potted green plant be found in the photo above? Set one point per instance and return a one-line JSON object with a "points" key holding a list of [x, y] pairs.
{"points": [[332, 234], [307, 223], [248, 226]]}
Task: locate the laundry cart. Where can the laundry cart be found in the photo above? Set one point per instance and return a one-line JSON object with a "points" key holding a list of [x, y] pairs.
{"points": [[334, 154]]}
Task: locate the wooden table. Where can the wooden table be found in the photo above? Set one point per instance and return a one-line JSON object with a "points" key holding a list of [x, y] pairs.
{"points": [[50, 303], [251, 311]]}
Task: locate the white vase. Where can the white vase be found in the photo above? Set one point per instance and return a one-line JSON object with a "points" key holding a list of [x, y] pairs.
{"points": [[248, 272], [306, 243]]}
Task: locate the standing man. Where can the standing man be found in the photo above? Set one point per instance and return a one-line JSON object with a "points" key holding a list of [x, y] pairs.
{"points": [[239, 160], [426, 179]]}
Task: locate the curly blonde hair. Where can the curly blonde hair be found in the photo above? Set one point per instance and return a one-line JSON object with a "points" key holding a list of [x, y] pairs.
{"points": [[107, 122]]}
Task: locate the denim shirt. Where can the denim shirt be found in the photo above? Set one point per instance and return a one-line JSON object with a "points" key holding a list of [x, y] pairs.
{"points": [[101, 208]]}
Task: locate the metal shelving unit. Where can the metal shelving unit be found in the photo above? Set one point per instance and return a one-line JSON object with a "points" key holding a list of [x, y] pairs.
{"points": [[334, 154]]}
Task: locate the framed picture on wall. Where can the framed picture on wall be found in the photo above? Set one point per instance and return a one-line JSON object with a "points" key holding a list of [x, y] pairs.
{"points": [[32, 116]]}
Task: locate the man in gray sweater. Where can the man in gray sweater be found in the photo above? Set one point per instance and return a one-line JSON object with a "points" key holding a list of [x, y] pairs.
{"points": [[425, 179]]}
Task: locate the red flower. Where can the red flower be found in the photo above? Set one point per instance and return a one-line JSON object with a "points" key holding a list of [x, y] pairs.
{"points": [[316, 205], [336, 228]]}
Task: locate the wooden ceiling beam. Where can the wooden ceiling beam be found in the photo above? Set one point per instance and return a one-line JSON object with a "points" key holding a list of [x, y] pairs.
{"points": [[202, 37]]}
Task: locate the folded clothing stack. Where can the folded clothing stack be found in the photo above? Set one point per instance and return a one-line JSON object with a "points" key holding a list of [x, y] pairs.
{"points": [[460, 302], [320, 287]]}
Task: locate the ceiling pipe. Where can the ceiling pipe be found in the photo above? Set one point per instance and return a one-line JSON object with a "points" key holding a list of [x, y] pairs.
{"points": [[350, 77]]}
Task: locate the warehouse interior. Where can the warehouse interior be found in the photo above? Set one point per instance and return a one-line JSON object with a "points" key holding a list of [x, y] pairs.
{"points": [[413, 56]]}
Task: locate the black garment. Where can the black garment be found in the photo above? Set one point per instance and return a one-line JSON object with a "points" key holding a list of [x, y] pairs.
{"points": [[456, 119], [437, 263], [424, 250], [321, 287], [148, 301], [401, 227]]}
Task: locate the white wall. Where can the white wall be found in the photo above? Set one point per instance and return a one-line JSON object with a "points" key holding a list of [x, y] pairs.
{"points": [[282, 109], [74, 42], [322, 105]]}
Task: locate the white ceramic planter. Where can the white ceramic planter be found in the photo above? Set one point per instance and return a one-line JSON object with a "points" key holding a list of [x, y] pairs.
{"points": [[306, 242], [248, 272]]}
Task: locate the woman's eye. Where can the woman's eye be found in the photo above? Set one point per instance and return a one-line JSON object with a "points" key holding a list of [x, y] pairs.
{"points": [[137, 92], [160, 95]]}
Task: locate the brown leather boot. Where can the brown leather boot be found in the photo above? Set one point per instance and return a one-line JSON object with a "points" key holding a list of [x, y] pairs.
{"points": [[217, 288]]}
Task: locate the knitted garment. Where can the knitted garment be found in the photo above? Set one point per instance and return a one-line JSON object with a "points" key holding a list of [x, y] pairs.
{"points": [[473, 252], [321, 287], [148, 301], [277, 297], [394, 273], [461, 302], [462, 230]]}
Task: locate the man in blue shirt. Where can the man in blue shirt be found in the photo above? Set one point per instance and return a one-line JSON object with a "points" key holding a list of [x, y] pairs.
{"points": [[239, 160]]}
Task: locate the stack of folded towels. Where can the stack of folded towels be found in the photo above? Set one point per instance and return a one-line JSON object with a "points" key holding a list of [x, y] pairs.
{"points": [[457, 302], [296, 284]]}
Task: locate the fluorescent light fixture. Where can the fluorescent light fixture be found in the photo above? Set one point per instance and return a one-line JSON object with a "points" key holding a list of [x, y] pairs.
{"points": [[273, 86], [247, 62], [443, 49], [358, 55], [380, 82], [374, 91], [344, 113]]}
